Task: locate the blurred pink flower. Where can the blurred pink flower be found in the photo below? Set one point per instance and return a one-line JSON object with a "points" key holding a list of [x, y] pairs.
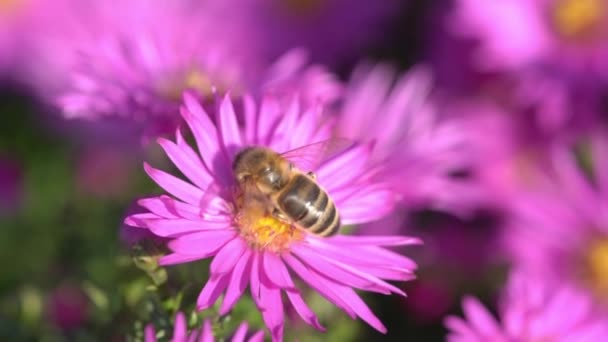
{"points": [[559, 227], [568, 36], [203, 334], [249, 247], [531, 309], [397, 115], [67, 307], [104, 172], [132, 61], [324, 27]]}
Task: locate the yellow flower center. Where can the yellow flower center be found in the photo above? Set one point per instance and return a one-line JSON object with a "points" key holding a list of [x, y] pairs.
{"points": [[578, 18], [597, 266], [9, 7], [194, 80], [264, 231]]}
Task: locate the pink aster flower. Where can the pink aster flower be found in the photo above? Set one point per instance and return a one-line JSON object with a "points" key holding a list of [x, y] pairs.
{"points": [[203, 334], [20, 20], [132, 60], [567, 35], [397, 115], [252, 247], [324, 27], [559, 227], [531, 309]]}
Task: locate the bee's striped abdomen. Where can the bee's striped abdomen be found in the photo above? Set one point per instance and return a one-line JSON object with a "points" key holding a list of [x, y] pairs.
{"points": [[309, 206]]}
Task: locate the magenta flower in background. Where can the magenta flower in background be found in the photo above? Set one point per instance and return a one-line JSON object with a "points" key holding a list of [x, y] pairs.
{"points": [[68, 307], [131, 61], [530, 309], [565, 35], [19, 19], [249, 248], [558, 228], [399, 118], [324, 27], [203, 334]]}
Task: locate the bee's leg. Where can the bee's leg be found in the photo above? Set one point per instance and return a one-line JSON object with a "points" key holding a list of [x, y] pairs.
{"points": [[278, 214], [311, 175]]}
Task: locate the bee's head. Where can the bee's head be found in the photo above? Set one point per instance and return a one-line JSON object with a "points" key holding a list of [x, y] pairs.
{"points": [[262, 166]]}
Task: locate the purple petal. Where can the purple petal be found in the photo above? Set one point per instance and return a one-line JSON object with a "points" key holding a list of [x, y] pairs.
{"points": [[180, 328], [149, 333], [267, 120], [212, 290], [139, 220], [191, 168], [238, 282], [229, 128], [314, 281], [348, 165], [480, 317], [272, 311], [255, 278], [228, 256], [175, 259], [204, 244], [207, 333], [303, 310], [395, 240], [258, 337], [343, 273], [364, 255], [205, 134], [358, 306], [176, 227], [167, 207], [276, 271], [241, 333], [175, 186], [251, 123], [365, 205]]}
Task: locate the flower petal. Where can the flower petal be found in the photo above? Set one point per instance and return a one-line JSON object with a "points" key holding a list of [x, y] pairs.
{"points": [[205, 244], [205, 134], [191, 168], [313, 280], [212, 290], [176, 259], [228, 256], [303, 310], [229, 128], [180, 328], [241, 333], [175, 186], [167, 207], [276, 271], [238, 282], [177, 227]]}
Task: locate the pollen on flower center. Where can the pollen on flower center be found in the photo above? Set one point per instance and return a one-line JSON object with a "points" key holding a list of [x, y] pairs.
{"points": [[264, 231], [9, 6], [194, 80], [578, 18], [597, 265]]}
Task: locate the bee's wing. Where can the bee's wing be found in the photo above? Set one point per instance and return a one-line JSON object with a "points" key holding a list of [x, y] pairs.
{"points": [[212, 202], [310, 157]]}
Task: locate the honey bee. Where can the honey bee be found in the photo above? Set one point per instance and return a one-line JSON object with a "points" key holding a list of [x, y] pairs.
{"points": [[293, 195]]}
